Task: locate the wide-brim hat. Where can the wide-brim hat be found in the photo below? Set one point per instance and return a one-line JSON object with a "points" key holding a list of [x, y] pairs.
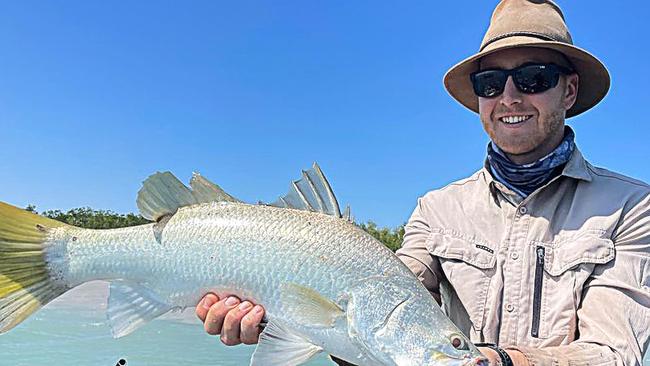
{"points": [[531, 23]]}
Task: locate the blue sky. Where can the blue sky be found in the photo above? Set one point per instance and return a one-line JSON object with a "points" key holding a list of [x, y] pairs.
{"points": [[95, 96]]}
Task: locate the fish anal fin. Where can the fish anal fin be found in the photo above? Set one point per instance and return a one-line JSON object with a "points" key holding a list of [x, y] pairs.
{"points": [[131, 306], [279, 346], [310, 307]]}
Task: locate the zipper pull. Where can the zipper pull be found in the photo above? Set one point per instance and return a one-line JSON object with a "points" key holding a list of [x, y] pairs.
{"points": [[540, 255]]}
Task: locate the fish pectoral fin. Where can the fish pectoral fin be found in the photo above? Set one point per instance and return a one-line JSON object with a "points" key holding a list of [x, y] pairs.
{"points": [[131, 306], [279, 346], [163, 194], [310, 307]]}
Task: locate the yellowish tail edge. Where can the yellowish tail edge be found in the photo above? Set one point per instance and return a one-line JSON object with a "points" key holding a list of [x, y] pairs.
{"points": [[25, 285]]}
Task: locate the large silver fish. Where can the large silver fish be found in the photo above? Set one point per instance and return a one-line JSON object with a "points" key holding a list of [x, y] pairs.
{"points": [[326, 285]]}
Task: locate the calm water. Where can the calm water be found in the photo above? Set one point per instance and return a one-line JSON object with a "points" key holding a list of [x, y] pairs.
{"points": [[56, 336], [73, 331]]}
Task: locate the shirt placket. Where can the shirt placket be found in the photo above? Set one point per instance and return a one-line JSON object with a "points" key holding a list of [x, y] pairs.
{"points": [[512, 259]]}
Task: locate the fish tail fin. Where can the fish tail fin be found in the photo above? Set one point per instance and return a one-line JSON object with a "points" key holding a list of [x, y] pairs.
{"points": [[25, 283]]}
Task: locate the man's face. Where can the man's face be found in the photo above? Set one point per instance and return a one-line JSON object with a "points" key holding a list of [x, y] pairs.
{"points": [[543, 126]]}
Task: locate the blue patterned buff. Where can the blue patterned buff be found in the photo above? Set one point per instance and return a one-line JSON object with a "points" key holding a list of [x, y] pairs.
{"points": [[525, 179]]}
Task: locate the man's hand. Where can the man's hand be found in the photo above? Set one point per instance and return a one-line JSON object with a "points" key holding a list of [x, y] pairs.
{"points": [[518, 358], [236, 321], [239, 322]]}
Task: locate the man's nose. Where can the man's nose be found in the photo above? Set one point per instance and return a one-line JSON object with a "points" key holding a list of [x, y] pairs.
{"points": [[511, 95]]}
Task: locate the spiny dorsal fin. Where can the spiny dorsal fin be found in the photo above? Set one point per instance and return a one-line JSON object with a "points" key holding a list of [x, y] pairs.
{"points": [[312, 192], [162, 194], [206, 191]]}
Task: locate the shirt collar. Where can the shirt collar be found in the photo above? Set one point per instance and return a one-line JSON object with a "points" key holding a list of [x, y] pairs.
{"points": [[576, 167]]}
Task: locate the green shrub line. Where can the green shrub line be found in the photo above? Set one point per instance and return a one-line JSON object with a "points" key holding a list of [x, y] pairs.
{"points": [[89, 218], [392, 238]]}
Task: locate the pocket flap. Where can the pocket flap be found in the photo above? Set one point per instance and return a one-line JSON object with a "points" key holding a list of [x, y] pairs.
{"points": [[453, 245], [567, 253]]}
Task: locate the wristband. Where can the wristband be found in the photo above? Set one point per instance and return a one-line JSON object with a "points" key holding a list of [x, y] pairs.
{"points": [[505, 357]]}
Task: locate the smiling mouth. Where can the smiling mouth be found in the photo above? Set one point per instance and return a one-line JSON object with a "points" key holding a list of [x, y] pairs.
{"points": [[513, 120]]}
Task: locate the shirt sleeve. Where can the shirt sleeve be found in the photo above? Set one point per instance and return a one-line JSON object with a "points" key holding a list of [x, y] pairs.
{"points": [[614, 315], [415, 254]]}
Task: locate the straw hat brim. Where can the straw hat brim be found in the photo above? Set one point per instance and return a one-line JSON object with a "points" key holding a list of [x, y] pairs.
{"points": [[593, 84]]}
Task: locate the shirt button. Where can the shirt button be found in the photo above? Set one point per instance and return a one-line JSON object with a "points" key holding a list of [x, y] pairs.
{"points": [[510, 308], [523, 210], [514, 255]]}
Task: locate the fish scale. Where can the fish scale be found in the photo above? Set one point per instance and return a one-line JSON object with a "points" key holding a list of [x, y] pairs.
{"points": [[325, 284]]}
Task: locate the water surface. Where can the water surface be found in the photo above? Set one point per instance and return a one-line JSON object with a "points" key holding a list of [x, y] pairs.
{"points": [[73, 330]]}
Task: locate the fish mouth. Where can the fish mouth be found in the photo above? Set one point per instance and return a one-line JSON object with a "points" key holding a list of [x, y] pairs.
{"points": [[477, 361], [469, 360], [465, 360]]}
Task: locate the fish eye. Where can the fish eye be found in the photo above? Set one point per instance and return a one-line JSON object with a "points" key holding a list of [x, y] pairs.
{"points": [[458, 342]]}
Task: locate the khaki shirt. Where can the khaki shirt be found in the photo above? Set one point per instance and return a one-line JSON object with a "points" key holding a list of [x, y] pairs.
{"points": [[562, 275]]}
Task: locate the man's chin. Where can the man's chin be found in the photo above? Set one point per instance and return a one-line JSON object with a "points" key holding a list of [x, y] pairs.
{"points": [[515, 148], [519, 154]]}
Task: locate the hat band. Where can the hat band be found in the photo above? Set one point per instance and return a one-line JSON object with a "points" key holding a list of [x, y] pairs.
{"points": [[541, 36]]}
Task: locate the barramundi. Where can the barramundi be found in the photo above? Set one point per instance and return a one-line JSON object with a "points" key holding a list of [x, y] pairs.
{"points": [[326, 285]]}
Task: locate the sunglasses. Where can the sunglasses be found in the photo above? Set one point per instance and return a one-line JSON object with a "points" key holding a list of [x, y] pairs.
{"points": [[528, 78]]}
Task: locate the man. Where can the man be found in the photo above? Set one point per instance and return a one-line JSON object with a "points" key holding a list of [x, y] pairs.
{"points": [[539, 252]]}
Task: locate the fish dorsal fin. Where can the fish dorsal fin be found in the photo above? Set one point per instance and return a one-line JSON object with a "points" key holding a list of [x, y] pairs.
{"points": [[347, 214], [206, 191], [279, 346], [163, 194], [131, 306], [312, 192]]}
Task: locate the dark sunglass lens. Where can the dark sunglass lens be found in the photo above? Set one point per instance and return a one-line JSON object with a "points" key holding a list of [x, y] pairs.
{"points": [[489, 83], [536, 78]]}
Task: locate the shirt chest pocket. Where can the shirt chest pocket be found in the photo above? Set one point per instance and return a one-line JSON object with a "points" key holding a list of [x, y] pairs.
{"points": [[468, 264], [561, 270]]}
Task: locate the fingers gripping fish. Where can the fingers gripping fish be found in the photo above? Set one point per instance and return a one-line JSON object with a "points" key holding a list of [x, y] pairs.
{"points": [[326, 284]]}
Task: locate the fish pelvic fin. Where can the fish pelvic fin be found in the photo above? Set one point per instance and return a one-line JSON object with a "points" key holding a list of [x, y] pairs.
{"points": [[162, 194], [312, 192], [25, 283], [279, 346]]}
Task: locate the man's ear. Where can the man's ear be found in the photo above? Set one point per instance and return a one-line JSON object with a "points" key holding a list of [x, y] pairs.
{"points": [[571, 90]]}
